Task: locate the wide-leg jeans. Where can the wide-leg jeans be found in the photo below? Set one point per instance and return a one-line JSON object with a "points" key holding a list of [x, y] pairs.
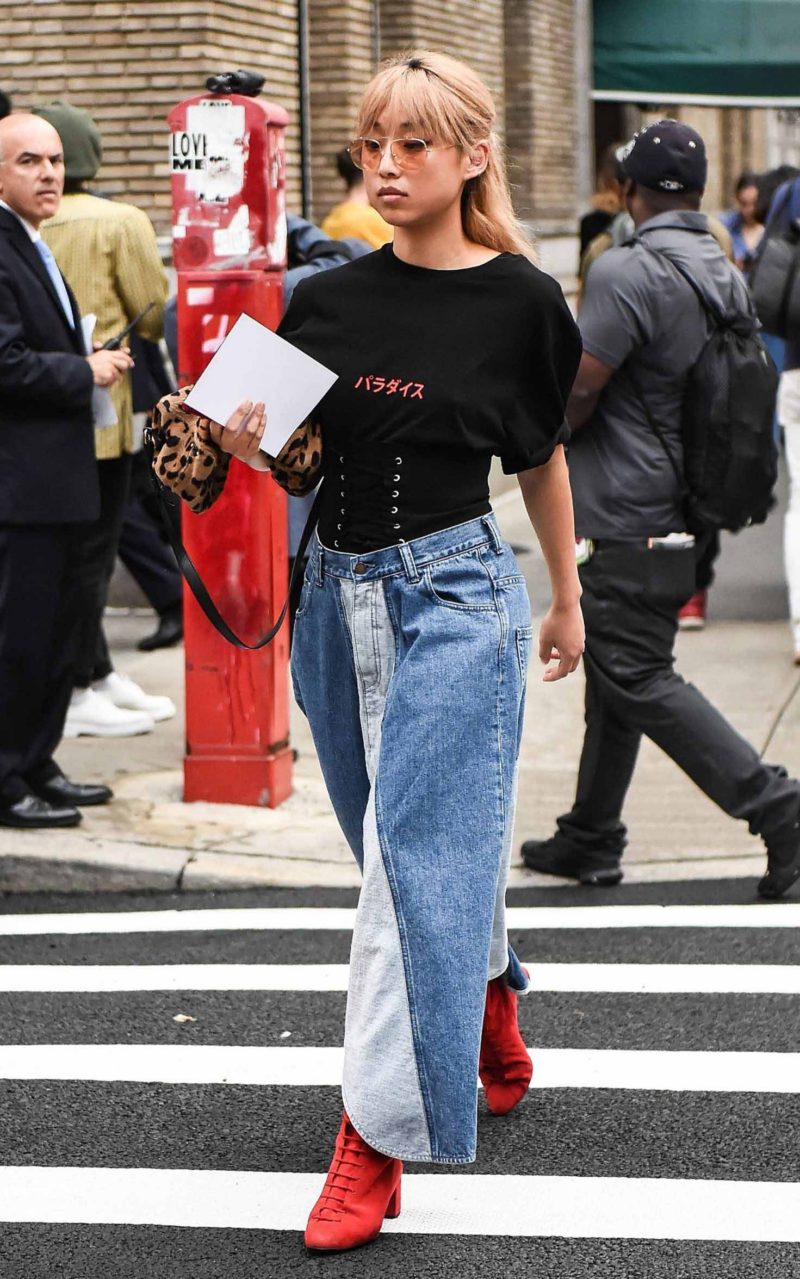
{"points": [[410, 663]]}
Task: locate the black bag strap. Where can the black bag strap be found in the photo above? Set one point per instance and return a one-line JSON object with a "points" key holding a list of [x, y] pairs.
{"points": [[201, 592], [714, 316]]}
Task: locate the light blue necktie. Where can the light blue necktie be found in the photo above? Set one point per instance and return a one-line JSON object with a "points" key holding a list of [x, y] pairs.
{"points": [[56, 279]]}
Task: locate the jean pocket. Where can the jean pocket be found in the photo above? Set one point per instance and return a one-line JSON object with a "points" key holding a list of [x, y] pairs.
{"points": [[305, 593], [462, 582], [524, 639]]}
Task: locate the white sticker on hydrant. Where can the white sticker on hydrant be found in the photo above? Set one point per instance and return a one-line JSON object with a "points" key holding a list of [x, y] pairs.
{"points": [[211, 151]]}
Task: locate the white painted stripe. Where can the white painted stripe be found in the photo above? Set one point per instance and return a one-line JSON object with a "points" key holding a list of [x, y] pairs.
{"points": [[195, 977], [433, 1204], [766, 1072], [759, 915], [666, 979], [652, 979], [171, 921]]}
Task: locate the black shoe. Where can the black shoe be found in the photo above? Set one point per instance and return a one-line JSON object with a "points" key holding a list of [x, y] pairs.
{"points": [[60, 791], [554, 857], [783, 868], [169, 632], [32, 813]]}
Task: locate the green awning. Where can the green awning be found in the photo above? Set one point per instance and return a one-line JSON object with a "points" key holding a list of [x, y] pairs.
{"points": [[734, 52]]}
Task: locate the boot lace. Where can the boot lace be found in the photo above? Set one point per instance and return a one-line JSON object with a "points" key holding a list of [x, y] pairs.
{"points": [[348, 1154]]}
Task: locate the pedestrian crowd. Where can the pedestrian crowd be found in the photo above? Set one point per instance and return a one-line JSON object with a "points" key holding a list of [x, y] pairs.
{"points": [[98, 258]]}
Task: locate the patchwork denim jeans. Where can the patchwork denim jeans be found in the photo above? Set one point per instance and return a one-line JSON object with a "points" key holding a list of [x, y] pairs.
{"points": [[410, 663]]}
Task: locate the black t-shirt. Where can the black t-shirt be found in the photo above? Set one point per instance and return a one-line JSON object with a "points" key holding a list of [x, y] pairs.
{"points": [[438, 372]]}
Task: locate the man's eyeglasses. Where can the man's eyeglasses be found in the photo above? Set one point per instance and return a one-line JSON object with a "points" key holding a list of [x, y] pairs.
{"points": [[407, 154]]}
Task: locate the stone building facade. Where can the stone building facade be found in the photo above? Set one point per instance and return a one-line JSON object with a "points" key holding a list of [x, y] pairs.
{"points": [[128, 61]]}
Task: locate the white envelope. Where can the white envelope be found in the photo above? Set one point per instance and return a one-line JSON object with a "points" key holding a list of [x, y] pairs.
{"points": [[253, 363], [103, 411]]}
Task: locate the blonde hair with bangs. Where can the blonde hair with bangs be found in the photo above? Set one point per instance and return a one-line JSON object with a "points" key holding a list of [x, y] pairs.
{"points": [[449, 103]]}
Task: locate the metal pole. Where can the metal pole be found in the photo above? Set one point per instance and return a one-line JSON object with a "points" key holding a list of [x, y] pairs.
{"points": [[376, 32], [304, 77]]}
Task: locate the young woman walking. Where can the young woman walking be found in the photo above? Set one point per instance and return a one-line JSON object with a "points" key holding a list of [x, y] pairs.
{"points": [[413, 631]]}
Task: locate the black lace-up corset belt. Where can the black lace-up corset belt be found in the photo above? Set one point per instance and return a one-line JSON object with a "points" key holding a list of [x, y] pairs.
{"points": [[390, 495]]}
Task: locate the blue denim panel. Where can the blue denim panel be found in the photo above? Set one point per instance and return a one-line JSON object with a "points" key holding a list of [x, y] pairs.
{"points": [[514, 600], [326, 690]]}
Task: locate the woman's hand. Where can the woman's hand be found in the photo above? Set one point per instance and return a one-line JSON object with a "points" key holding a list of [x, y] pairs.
{"points": [[241, 434], [561, 640]]}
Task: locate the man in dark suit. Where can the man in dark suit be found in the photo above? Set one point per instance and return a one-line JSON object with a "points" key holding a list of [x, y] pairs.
{"points": [[48, 482]]}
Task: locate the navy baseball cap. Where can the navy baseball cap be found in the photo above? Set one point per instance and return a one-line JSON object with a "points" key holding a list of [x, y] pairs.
{"points": [[666, 156]]}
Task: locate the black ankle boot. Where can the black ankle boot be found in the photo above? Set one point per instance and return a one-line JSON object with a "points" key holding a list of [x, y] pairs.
{"points": [[783, 867]]}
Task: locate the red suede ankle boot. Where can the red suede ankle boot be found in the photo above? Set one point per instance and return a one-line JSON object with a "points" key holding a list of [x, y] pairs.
{"points": [[505, 1065], [363, 1187]]}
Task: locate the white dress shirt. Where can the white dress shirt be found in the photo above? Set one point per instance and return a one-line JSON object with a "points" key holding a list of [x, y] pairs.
{"points": [[32, 231]]}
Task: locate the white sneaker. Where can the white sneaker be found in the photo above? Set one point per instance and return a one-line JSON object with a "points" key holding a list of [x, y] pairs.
{"points": [[122, 692], [91, 715]]}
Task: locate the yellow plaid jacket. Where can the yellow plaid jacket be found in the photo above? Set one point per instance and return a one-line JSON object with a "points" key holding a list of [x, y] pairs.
{"points": [[108, 252]]}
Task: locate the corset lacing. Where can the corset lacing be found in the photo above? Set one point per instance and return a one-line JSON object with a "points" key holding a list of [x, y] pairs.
{"points": [[369, 494]]}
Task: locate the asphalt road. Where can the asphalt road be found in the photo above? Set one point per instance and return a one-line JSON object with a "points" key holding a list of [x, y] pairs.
{"points": [[119, 1169]]}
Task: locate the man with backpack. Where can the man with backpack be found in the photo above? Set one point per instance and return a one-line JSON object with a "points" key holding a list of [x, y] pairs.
{"points": [[671, 414]]}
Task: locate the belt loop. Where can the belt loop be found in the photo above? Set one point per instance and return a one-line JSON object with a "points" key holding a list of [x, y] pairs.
{"points": [[494, 534], [409, 563], [318, 566]]}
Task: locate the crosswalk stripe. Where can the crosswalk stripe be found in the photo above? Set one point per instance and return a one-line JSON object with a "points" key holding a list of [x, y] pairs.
{"points": [[653, 979], [312, 918], [673, 1071], [433, 1204]]}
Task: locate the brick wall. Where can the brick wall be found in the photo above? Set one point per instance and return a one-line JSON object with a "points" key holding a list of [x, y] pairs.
{"points": [[541, 117], [346, 35], [468, 29], [342, 60], [128, 61]]}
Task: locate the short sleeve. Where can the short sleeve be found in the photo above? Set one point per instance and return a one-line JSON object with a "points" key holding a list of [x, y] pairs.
{"points": [[295, 312], [617, 307], [537, 426]]}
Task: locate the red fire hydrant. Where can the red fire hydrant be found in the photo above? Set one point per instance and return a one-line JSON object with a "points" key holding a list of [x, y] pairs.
{"points": [[229, 249]]}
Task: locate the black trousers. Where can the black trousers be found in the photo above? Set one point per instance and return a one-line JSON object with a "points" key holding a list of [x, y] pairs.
{"points": [[142, 547], [39, 611], [630, 601], [96, 564]]}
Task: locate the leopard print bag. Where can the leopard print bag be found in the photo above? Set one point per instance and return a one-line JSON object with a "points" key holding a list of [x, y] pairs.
{"points": [[187, 461]]}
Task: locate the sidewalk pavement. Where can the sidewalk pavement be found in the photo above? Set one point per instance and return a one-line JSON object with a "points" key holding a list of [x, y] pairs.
{"points": [[148, 839]]}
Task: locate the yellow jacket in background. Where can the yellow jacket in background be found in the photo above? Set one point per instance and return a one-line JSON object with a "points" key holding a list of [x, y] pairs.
{"points": [[360, 220], [107, 251]]}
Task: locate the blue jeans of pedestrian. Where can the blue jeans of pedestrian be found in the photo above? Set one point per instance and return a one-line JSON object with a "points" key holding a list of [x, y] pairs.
{"points": [[410, 663]]}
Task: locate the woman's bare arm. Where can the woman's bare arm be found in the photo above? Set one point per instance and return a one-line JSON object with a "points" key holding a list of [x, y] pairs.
{"points": [[548, 501]]}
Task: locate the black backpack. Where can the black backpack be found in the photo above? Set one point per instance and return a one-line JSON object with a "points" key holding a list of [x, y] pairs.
{"points": [[775, 275], [730, 459]]}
